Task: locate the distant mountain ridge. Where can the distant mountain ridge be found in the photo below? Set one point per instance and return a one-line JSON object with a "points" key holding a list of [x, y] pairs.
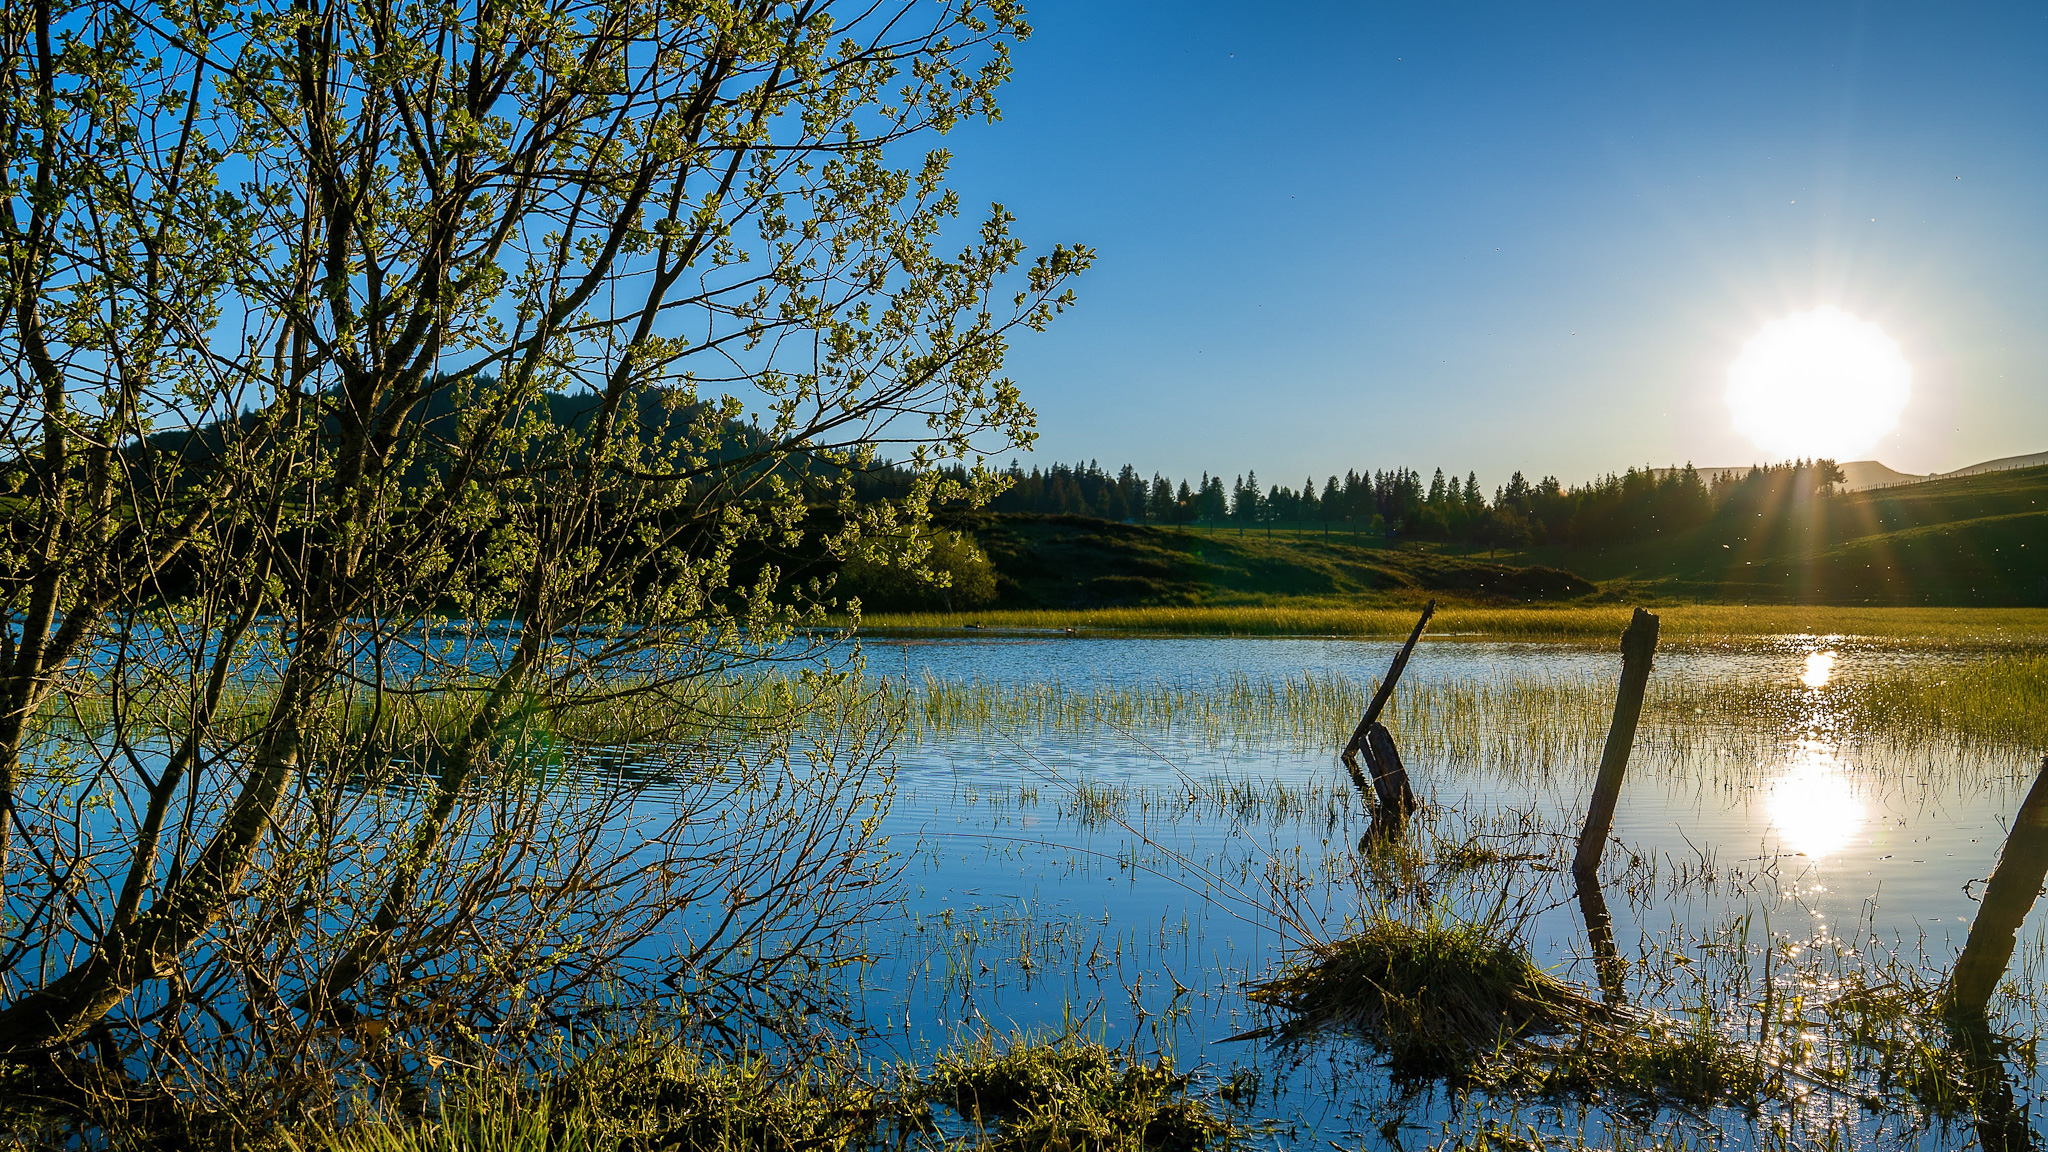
{"points": [[1863, 475]]}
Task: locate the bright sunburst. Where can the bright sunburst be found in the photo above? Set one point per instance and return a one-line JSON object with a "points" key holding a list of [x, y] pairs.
{"points": [[1819, 383]]}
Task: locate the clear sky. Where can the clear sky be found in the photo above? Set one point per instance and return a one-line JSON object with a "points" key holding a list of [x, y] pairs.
{"points": [[1508, 236]]}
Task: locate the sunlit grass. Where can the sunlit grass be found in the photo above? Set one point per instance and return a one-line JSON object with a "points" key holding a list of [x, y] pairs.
{"points": [[1531, 721], [1702, 623]]}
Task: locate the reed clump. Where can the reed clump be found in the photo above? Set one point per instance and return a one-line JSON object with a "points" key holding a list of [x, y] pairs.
{"points": [[1441, 995], [633, 1097], [1071, 1094]]}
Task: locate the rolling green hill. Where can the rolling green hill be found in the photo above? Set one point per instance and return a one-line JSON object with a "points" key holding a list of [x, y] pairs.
{"points": [[1078, 562], [1979, 539], [1967, 540]]}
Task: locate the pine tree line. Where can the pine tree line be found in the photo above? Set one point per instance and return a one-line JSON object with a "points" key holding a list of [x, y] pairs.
{"points": [[1398, 503]]}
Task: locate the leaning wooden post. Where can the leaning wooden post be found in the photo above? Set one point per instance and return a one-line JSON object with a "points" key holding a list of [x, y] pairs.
{"points": [[1389, 778], [1638, 649], [2022, 866]]}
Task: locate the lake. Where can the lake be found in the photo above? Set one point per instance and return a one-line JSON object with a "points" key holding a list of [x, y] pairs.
{"points": [[1114, 835]]}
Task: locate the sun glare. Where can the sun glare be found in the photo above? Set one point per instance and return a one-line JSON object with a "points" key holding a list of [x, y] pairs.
{"points": [[1813, 804], [1819, 383]]}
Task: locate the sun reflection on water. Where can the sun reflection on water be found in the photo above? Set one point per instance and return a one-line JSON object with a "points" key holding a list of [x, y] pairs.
{"points": [[1813, 805], [1819, 667]]}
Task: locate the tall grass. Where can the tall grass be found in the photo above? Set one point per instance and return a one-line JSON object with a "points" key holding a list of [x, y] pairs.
{"points": [[1529, 720], [1703, 623]]}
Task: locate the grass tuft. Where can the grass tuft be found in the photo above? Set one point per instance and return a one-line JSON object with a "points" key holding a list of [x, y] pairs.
{"points": [[1439, 994], [1073, 1095]]}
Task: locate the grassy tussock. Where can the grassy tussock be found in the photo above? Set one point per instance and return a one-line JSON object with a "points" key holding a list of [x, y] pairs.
{"points": [[1700, 623], [1439, 994], [1071, 1095]]}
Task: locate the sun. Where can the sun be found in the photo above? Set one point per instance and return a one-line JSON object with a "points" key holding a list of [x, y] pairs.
{"points": [[1820, 384]]}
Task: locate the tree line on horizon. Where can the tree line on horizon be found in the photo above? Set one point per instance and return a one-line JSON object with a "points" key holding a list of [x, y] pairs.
{"points": [[1399, 503]]}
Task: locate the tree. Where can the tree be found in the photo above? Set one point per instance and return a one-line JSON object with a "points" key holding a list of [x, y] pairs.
{"points": [[1244, 499], [1160, 506], [1213, 505], [332, 332]]}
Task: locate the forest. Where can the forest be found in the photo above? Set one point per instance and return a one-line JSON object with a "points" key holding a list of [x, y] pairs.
{"points": [[1397, 503]]}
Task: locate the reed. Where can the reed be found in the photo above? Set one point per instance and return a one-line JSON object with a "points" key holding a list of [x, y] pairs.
{"points": [[1525, 722]]}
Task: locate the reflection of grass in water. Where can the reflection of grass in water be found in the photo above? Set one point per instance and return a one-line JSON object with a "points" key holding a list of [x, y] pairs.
{"points": [[1701, 622], [1094, 804]]}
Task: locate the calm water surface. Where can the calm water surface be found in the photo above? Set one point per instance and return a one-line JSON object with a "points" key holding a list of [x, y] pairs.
{"points": [[1027, 907]]}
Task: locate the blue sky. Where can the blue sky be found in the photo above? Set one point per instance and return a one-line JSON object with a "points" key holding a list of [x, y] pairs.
{"points": [[1504, 236]]}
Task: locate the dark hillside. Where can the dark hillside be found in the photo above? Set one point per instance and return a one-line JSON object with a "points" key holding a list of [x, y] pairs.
{"points": [[1078, 562]]}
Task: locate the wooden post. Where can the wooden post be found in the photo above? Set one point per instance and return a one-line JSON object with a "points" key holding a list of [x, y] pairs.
{"points": [[1638, 649], [1394, 799], [2022, 866], [1360, 735]]}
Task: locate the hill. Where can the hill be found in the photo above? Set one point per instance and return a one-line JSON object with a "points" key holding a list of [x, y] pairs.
{"points": [[1079, 562], [2002, 464], [1861, 475], [1979, 538]]}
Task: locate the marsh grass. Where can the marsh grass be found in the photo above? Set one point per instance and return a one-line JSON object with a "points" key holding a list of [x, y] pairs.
{"points": [[1025, 1093], [1692, 623], [1439, 993], [639, 1092], [1065, 1093], [1528, 722], [617, 715]]}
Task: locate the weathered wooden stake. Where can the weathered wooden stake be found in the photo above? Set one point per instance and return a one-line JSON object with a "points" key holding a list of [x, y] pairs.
{"points": [[1389, 777], [1638, 649], [2022, 866]]}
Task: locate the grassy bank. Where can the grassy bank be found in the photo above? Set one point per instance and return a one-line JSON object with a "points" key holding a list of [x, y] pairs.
{"points": [[1691, 623]]}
